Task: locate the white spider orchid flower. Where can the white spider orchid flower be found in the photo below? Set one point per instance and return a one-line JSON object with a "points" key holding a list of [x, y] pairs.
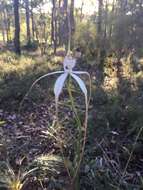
{"points": [[69, 63]]}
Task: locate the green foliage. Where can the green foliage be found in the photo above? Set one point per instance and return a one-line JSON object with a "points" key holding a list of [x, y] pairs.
{"points": [[114, 148], [18, 73], [85, 38], [31, 46]]}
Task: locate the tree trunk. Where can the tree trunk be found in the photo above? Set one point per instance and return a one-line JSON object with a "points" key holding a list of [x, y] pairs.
{"points": [[5, 24], [59, 23], [2, 27], [99, 30], [55, 33], [17, 27], [106, 22], [28, 21], [65, 28], [81, 10], [9, 29], [72, 22], [33, 24], [111, 24], [54, 26], [52, 21]]}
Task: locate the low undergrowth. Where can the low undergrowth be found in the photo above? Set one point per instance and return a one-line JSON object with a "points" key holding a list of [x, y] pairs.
{"points": [[18, 73], [113, 158]]}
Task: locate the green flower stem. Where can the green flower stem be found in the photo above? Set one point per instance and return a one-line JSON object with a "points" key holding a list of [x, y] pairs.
{"points": [[79, 126], [73, 105]]}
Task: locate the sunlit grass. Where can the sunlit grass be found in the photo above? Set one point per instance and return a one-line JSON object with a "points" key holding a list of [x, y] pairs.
{"points": [[18, 73]]}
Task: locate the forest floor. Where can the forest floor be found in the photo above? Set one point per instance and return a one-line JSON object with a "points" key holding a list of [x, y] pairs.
{"points": [[113, 155]]}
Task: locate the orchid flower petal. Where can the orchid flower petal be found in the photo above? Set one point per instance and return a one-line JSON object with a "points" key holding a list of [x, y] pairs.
{"points": [[81, 84], [59, 85], [40, 78], [58, 89], [85, 73], [80, 72], [46, 75], [36, 81]]}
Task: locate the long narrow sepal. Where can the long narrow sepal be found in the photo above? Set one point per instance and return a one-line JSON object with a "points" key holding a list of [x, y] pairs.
{"points": [[90, 83], [58, 88], [80, 72], [81, 84], [35, 82]]}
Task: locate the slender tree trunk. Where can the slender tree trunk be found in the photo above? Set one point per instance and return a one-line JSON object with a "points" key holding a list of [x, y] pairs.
{"points": [[59, 20], [2, 27], [100, 8], [33, 24], [17, 27], [72, 21], [100, 44], [56, 35], [111, 25], [65, 28], [106, 20], [99, 30], [8, 13], [54, 26], [5, 24], [52, 21], [9, 29], [3, 35], [72, 15], [28, 21], [81, 11]]}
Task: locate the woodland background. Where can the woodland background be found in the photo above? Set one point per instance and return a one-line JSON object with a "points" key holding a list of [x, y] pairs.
{"points": [[34, 36]]}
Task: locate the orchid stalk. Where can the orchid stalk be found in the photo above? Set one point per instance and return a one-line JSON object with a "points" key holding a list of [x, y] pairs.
{"points": [[69, 64]]}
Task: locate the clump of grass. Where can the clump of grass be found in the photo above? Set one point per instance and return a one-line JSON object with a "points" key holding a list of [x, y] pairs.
{"points": [[11, 180]]}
